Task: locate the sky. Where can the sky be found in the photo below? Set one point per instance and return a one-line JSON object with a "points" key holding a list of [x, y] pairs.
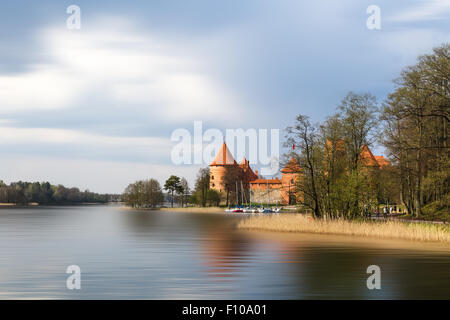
{"points": [[95, 107]]}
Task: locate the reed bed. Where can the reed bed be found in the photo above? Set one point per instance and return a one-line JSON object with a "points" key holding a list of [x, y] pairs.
{"points": [[379, 229]]}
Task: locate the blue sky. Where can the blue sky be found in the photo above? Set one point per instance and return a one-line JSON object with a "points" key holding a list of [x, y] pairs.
{"points": [[95, 107]]}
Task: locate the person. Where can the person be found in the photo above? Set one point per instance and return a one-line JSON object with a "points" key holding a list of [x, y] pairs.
{"points": [[377, 213], [385, 210]]}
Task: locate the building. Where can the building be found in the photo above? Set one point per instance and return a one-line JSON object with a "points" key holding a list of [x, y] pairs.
{"points": [[226, 174]]}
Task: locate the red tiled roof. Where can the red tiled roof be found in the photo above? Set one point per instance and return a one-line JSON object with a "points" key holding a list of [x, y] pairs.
{"points": [[338, 144], [244, 163], [367, 157], [291, 167], [267, 181], [382, 161], [223, 157]]}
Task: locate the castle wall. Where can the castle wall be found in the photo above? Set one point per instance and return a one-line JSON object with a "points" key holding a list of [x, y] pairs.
{"points": [[217, 174], [288, 181], [261, 195]]}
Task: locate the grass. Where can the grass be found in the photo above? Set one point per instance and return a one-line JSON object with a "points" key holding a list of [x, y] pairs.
{"points": [[437, 211], [385, 229]]}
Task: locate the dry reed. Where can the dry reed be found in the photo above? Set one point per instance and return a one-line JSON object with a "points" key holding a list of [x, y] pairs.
{"points": [[383, 229]]}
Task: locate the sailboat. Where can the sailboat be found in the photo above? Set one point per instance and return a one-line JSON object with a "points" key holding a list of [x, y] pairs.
{"points": [[247, 209]]}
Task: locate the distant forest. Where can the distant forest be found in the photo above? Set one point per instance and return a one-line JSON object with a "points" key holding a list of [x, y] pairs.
{"points": [[46, 193]]}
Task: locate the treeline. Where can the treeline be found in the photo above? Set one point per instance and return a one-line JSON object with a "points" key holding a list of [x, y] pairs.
{"points": [[150, 194], [143, 194], [339, 178], [45, 193], [417, 116], [203, 195]]}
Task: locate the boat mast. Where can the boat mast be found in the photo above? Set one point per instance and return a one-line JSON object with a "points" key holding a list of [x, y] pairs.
{"points": [[237, 196], [242, 193]]}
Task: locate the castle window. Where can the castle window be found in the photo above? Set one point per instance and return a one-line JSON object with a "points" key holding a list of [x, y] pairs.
{"points": [[212, 177], [213, 185]]}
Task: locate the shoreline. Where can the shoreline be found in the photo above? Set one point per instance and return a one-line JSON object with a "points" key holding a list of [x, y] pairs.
{"points": [[196, 209], [68, 204], [299, 224]]}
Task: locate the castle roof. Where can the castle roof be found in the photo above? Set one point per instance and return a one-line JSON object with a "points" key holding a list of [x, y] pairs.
{"points": [[223, 157], [339, 144], [244, 162], [367, 157], [291, 167], [266, 181], [382, 161], [247, 170]]}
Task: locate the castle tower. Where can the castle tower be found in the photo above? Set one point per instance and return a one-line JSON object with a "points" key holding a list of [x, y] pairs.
{"points": [[289, 175], [247, 173], [222, 163]]}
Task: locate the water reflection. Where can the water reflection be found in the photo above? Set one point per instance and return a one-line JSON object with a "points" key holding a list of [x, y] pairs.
{"points": [[136, 254], [225, 253]]}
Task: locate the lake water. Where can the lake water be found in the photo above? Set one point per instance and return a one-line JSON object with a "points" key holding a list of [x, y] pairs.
{"points": [[130, 254]]}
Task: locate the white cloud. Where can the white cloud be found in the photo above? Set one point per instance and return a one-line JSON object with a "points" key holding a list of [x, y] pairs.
{"points": [[427, 10], [120, 65], [45, 87], [81, 143]]}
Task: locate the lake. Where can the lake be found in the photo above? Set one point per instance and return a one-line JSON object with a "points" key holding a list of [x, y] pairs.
{"points": [[132, 254]]}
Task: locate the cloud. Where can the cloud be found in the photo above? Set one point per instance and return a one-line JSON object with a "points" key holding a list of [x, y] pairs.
{"points": [[117, 65], [82, 145], [12, 135], [425, 11]]}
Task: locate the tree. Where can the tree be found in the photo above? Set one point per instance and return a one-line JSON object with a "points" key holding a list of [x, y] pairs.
{"points": [[184, 191], [202, 186], [172, 185], [143, 194], [230, 179], [358, 115], [304, 136], [416, 117], [335, 180], [213, 197], [45, 193]]}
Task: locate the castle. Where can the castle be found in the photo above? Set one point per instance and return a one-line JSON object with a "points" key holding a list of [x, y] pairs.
{"points": [[226, 174]]}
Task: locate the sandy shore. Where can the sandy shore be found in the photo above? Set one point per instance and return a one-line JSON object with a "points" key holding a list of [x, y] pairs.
{"points": [[187, 210], [196, 210], [3, 204]]}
